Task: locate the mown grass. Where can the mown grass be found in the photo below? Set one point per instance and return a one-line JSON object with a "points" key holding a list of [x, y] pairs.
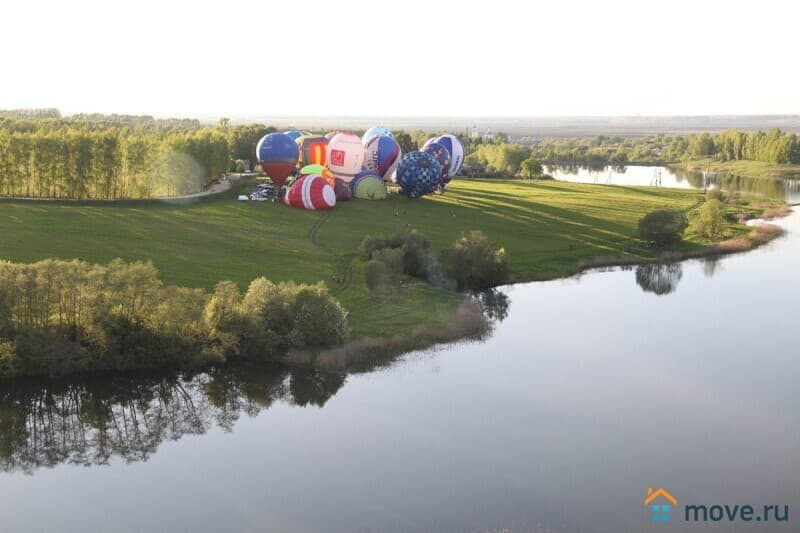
{"points": [[548, 229]]}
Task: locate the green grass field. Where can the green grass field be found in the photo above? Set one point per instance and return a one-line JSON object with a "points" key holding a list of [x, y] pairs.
{"points": [[546, 227]]}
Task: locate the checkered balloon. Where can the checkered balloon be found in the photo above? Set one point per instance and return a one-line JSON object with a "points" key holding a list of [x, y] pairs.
{"points": [[418, 174]]}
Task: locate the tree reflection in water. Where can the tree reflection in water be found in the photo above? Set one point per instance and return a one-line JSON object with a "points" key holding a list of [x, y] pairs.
{"points": [[91, 421], [494, 304], [659, 278]]}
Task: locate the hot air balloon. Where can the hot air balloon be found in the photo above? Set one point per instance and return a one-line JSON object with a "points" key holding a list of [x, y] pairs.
{"points": [[441, 155], [345, 155], [312, 150], [318, 170], [331, 134], [418, 174], [382, 156], [296, 134], [367, 185], [456, 150], [277, 155], [373, 132], [342, 190], [311, 192]]}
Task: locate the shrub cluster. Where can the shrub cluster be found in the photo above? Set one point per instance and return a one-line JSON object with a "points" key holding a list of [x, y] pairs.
{"points": [[473, 262], [663, 228], [58, 317], [476, 263], [408, 253]]}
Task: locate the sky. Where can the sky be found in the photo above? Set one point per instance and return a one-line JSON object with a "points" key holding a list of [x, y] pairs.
{"points": [[402, 58]]}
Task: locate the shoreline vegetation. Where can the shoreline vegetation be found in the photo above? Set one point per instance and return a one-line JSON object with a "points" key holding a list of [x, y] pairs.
{"points": [[404, 289], [548, 230]]}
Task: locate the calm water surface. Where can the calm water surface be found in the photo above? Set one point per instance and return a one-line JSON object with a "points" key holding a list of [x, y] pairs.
{"points": [[659, 176], [589, 391]]}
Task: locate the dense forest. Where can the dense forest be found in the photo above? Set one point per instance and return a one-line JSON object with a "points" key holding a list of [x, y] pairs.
{"points": [[116, 156]]}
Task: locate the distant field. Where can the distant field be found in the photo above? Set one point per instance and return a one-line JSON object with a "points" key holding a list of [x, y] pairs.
{"points": [[546, 227]]}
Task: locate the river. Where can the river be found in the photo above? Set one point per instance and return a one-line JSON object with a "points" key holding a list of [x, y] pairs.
{"points": [[787, 190], [589, 390]]}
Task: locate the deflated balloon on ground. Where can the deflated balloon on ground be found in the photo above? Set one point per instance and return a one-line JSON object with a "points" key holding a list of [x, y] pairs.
{"points": [[311, 192], [367, 185]]}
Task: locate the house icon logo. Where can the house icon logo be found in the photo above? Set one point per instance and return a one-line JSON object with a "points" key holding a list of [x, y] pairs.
{"points": [[659, 501]]}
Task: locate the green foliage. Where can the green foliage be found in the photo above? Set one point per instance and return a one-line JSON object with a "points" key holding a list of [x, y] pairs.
{"points": [[532, 168], [663, 227], [117, 157], [773, 146], [474, 262], [318, 321], [500, 158], [63, 317], [376, 276], [408, 252], [709, 219], [405, 141]]}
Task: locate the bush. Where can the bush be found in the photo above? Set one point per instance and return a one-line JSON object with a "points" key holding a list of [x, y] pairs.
{"points": [[393, 258], [709, 220], [663, 228], [474, 262], [317, 318], [532, 168], [376, 276], [408, 252]]}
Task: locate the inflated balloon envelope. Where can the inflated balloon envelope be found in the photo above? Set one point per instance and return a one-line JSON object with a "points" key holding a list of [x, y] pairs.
{"points": [[382, 155], [311, 192], [277, 154], [313, 150], [345, 155], [418, 174]]}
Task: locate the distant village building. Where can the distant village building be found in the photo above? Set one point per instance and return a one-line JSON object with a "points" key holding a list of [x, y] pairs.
{"points": [[473, 134], [489, 135]]}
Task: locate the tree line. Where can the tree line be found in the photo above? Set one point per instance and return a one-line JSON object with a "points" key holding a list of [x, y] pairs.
{"points": [[773, 146], [59, 317], [117, 156]]}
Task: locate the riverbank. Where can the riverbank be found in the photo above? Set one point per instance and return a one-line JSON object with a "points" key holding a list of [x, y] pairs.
{"points": [[745, 169], [548, 229]]}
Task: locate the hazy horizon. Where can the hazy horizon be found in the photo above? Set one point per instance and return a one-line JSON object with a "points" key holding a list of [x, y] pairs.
{"points": [[357, 58]]}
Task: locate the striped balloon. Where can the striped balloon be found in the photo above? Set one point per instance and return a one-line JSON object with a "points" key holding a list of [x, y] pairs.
{"points": [[312, 150], [456, 150], [382, 156], [311, 192]]}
